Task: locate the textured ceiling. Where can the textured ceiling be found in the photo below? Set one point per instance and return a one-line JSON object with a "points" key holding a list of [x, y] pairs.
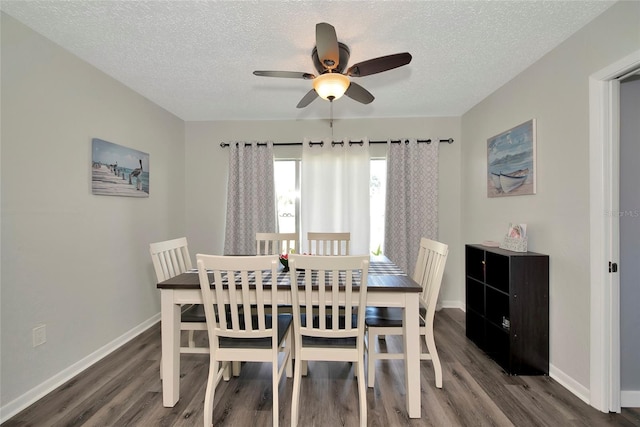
{"points": [[195, 58]]}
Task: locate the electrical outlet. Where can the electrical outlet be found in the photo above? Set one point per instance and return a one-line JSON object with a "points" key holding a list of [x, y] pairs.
{"points": [[39, 335]]}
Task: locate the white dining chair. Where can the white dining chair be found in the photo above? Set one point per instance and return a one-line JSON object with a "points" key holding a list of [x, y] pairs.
{"points": [[276, 243], [170, 258], [331, 287], [328, 243], [383, 321], [243, 323]]}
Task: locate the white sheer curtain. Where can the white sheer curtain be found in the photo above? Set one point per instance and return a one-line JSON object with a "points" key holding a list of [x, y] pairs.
{"points": [[251, 201], [335, 192], [412, 200]]}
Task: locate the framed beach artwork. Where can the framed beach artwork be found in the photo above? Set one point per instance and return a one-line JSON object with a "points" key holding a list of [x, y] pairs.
{"points": [[118, 171], [511, 161]]}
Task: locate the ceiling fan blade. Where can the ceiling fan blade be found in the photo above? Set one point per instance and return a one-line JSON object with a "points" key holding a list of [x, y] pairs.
{"points": [[358, 93], [378, 65], [307, 99], [285, 74], [327, 45]]}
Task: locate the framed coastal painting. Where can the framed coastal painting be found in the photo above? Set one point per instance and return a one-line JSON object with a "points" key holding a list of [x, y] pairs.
{"points": [[511, 161], [118, 171]]}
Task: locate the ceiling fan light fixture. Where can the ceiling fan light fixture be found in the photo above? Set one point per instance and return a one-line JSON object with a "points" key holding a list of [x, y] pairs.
{"points": [[331, 86]]}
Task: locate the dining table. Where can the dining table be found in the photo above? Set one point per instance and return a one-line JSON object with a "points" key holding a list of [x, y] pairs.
{"points": [[387, 286]]}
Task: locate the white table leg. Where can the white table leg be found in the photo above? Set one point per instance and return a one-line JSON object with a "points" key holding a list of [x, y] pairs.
{"points": [[170, 329], [412, 355]]}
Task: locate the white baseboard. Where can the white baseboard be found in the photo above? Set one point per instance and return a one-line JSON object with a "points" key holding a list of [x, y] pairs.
{"points": [[570, 384], [36, 393], [563, 379], [630, 398], [450, 304]]}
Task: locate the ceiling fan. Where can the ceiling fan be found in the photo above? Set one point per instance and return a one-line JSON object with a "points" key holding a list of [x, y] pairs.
{"points": [[330, 59]]}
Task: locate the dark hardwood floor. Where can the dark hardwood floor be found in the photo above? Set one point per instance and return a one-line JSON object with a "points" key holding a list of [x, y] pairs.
{"points": [[124, 389]]}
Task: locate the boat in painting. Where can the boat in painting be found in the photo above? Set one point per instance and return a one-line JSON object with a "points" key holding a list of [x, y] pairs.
{"points": [[513, 180], [495, 179]]}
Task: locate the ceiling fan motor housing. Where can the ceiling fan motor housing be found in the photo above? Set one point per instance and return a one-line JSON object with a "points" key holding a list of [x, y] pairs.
{"points": [[342, 65]]}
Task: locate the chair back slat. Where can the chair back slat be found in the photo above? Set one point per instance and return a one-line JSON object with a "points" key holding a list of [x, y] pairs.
{"points": [[349, 292], [169, 261], [170, 258], [308, 296], [328, 243], [334, 277], [276, 243], [322, 290], [220, 299], [261, 307], [335, 297]]}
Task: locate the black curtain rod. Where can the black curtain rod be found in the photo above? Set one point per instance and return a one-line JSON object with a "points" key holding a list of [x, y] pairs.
{"points": [[334, 143]]}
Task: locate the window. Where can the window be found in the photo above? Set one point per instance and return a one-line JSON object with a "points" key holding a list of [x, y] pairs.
{"points": [[287, 186], [377, 192]]}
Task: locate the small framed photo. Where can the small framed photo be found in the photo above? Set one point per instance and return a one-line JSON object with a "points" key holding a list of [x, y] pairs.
{"points": [[511, 161]]}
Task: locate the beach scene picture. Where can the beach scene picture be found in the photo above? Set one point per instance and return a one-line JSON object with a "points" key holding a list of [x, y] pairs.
{"points": [[118, 171], [511, 162]]}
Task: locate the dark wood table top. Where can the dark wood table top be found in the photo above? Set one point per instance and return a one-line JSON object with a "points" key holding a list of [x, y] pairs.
{"points": [[376, 282]]}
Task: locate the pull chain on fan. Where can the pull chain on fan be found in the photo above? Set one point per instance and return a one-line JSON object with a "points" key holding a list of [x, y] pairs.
{"points": [[331, 117]]}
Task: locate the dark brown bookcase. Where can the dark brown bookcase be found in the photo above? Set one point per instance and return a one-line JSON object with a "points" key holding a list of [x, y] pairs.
{"points": [[507, 303]]}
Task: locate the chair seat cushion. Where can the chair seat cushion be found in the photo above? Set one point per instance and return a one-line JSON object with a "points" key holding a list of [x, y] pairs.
{"points": [[388, 317], [328, 342], [284, 323]]}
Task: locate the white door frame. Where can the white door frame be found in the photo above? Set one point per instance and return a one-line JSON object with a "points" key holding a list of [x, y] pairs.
{"points": [[604, 238]]}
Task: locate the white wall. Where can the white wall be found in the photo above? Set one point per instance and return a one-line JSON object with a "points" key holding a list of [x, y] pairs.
{"points": [[555, 92], [206, 166], [76, 262]]}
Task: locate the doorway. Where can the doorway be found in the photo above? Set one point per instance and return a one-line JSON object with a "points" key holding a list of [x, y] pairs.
{"points": [[604, 93], [629, 238]]}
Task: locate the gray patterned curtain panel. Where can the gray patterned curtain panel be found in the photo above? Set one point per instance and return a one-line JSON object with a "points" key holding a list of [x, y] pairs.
{"points": [[412, 200], [251, 201]]}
